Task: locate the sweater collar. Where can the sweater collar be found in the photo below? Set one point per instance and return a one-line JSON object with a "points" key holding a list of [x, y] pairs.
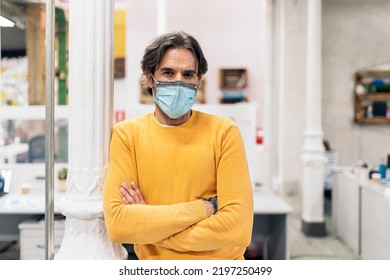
{"points": [[164, 127]]}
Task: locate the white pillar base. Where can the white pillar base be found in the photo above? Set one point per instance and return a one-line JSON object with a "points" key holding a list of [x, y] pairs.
{"points": [[88, 239], [85, 234], [314, 229], [313, 222]]}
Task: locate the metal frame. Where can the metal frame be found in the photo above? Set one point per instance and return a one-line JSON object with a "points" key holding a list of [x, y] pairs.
{"points": [[49, 131]]}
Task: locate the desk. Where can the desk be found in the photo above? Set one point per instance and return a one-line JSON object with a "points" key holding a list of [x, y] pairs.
{"points": [[346, 209], [16, 208], [375, 227], [20, 211], [361, 211], [270, 221]]}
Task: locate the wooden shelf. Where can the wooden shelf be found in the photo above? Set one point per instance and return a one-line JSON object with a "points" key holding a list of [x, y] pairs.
{"points": [[372, 107], [373, 73], [375, 120], [233, 79], [374, 97]]}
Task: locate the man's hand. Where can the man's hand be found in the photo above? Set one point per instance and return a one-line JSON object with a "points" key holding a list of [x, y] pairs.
{"points": [[209, 208], [131, 194]]}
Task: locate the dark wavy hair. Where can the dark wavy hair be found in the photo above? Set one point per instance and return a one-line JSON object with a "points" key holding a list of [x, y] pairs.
{"points": [[156, 50]]}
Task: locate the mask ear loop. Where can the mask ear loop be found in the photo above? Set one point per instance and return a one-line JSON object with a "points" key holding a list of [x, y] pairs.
{"points": [[157, 82], [153, 92], [197, 85]]}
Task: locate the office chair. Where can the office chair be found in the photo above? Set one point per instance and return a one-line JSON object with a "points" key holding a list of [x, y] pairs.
{"points": [[36, 151]]}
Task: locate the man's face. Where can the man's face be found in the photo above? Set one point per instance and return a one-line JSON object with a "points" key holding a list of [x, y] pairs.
{"points": [[176, 65]]}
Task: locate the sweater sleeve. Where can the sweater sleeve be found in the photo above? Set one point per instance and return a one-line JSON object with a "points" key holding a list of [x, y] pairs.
{"points": [[232, 224], [137, 223]]}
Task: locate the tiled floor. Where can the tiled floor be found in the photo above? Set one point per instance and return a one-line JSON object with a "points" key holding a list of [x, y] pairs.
{"points": [[301, 247]]}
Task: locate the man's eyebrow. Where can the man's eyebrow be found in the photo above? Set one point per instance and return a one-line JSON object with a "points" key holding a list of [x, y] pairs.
{"points": [[189, 71], [171, 69], [166, 69]]}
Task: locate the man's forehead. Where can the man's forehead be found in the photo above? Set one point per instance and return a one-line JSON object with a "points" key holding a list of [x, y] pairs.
{"points": [[178, 56], [177, 62]]}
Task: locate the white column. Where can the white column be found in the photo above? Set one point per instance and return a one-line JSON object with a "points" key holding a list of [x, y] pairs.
{"points": [[266, 109], [313, 156], [90, 123], [162, 17], [276, 126]]}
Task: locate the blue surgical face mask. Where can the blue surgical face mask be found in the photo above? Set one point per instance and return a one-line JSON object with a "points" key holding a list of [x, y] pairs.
{"points": [[175, 98]]}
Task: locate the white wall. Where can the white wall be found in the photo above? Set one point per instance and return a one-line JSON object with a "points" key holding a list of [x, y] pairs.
{"points": [[229, 31], [356, 35]]}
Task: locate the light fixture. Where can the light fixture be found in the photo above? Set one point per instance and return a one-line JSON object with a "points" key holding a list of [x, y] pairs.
{"points": [[4, 22]]}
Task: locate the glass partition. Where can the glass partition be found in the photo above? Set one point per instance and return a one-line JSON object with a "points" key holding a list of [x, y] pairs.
{"points": [[24, 141], [22, 83]]}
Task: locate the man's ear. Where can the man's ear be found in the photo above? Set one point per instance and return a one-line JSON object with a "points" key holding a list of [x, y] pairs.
{"points": [[149, 79], [199, 80]]}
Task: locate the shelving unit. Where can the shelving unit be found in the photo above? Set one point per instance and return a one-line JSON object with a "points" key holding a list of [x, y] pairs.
{"points": [[232, 83], [372, 97], [233, 79]]}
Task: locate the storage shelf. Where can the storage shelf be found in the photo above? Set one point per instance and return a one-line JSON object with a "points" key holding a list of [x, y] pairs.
{"points": [[33, 112], [233, 79], [375, 120], [372, 107], [373, 73], [374, 97]]}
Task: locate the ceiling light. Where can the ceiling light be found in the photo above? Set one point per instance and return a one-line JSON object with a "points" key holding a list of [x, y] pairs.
{"points": [[4, 22]]}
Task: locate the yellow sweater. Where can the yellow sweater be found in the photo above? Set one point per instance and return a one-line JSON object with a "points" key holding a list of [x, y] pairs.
{"points": [[172, 166]]}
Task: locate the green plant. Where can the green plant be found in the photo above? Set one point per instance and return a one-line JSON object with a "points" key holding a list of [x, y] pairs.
{"points": [[62, 173]]}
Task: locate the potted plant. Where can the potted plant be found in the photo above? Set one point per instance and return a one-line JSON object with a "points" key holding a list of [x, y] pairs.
{"points": [[62, 175]]}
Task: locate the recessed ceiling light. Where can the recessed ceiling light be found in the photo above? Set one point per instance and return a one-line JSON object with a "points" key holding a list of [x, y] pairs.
{"points": [[4, 22]]}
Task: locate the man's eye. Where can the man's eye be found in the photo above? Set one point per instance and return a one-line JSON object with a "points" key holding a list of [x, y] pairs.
{"points": [[189, 75], [168, 73]]}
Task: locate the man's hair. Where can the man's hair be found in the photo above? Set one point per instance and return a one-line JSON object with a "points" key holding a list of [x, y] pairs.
{"points": [[179, 40]]}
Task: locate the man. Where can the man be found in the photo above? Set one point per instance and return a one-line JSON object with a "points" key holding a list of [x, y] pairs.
{"points": [[178, 185]]}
